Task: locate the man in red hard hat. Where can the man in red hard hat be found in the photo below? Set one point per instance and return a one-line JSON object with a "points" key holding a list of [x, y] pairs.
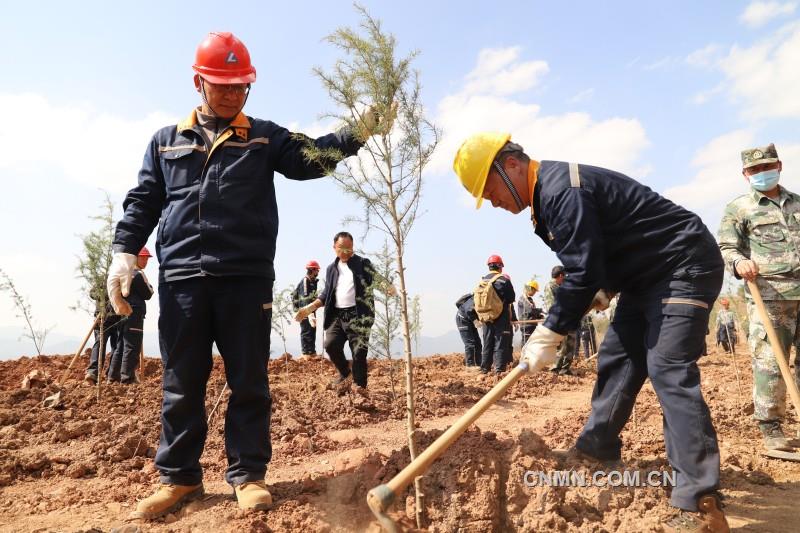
{"points": [[208, 183], [304, 294], [498, 333]]}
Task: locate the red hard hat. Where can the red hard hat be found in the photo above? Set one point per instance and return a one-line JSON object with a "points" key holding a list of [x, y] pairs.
{"points": [[144, 252], [496, 259], [312, 264], [222, 58]]}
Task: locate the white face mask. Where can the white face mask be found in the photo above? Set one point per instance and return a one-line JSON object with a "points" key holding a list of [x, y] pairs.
{"points": [[766, 180]]}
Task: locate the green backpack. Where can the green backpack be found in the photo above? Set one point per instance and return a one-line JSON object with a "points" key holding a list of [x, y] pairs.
{"points": [[488, 304]]}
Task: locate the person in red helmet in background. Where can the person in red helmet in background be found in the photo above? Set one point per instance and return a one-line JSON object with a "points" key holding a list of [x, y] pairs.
{"points": [[125, 359], [498, 333], [304, 294], [208, 183]]}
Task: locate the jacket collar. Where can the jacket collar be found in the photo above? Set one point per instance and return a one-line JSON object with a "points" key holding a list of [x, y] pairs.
{"points": [[240, 124]]}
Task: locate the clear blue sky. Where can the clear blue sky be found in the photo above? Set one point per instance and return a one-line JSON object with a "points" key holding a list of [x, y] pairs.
{"points": [[666, 92]]}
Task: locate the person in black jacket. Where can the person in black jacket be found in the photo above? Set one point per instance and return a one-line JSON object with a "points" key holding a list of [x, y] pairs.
{"points": [[349, 310], [208, 183], [467, 323], [615, 235], [111, 326], [498, 333], [304, 294], [125, 359]]}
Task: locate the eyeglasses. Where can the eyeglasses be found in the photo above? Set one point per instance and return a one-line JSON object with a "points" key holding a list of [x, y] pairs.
{"points": [[237, 89]]}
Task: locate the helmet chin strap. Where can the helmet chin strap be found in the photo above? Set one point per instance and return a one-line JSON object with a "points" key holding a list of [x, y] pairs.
{"points": [[513, 190], [205, 99]]}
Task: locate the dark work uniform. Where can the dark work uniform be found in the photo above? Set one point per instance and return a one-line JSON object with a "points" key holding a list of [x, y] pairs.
{"points": [[586, 338], [527, 310], [304, 294], [111, 326], [497, 335], [351, 324], [213, 200], [125, 359], [465, 322], [612, 232]]}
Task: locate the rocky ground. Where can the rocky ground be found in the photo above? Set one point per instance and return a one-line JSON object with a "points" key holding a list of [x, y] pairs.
{"points": [[83, 465]]}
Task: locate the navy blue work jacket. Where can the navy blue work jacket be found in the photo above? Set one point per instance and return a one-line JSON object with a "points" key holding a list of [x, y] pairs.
{"points": [[215, 205], [610, 232]]}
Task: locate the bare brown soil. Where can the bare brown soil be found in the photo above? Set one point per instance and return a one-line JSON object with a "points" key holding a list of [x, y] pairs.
{"points": [[82, 467]]}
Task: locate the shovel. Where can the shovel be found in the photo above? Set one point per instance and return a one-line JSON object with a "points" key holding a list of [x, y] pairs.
{"points": [[381, 497], [780, 357], [54, 400]]}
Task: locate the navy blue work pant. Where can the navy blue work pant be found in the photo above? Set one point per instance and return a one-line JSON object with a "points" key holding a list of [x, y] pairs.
{"points": [[659, 333], [125, 359], [308, 336], [472, 340], [497, 344], [111, 327], [236, 313], [348, 327]]}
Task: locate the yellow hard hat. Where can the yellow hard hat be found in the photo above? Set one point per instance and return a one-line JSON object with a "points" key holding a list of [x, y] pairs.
{"points": [[533, 284], [474, 159]]}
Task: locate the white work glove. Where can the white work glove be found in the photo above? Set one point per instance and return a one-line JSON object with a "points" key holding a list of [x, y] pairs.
{"points": [[118, 285], [540, 350], [304, 311], [312, 319]]}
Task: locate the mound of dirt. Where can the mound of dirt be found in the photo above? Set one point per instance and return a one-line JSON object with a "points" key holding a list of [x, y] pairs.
{"points": [[83, 466]]}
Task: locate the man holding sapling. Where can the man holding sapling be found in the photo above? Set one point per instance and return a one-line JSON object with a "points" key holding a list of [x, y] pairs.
{"points": [[208, 183]]}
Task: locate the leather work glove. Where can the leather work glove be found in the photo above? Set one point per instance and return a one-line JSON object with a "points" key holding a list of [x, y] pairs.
{"points": [[304, 311], [478, 324], [601, 300], [118, 285], [540, 350]]}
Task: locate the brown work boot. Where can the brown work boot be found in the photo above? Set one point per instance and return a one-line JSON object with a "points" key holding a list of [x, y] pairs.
{"points": [[709, 518], [167, 499], [253, 495], [774, 439]]}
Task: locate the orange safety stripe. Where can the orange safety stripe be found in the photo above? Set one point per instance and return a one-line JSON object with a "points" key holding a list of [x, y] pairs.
{"points": [[685, 301]]}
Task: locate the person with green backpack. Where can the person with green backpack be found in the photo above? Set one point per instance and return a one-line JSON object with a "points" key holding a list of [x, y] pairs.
{"points": [[494, 304]]}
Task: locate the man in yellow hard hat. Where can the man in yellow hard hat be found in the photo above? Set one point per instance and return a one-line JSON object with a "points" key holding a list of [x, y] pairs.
{"points": [[528, 310], [611, 232]]}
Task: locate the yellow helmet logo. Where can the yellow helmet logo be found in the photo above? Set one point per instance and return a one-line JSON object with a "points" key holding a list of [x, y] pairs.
{"points": [[474, 159]]}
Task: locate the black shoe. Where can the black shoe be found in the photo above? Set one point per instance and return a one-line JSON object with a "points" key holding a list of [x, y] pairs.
{"points": [[774, 439]]}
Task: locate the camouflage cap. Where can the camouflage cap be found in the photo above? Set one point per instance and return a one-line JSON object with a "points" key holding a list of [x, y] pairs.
{"points": [[759, 156]]}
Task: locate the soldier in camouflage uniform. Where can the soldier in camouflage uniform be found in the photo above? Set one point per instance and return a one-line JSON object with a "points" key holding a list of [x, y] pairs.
{"points": [[759, 238], [566, 351], [726, 326]]}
